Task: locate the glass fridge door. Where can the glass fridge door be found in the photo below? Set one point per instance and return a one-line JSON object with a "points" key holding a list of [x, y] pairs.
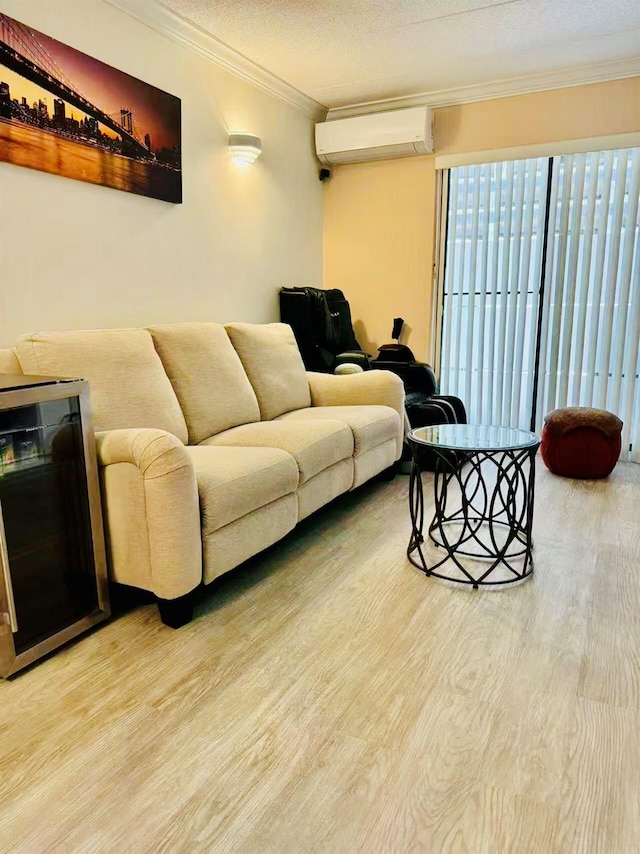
{"points": [[50, 576]]}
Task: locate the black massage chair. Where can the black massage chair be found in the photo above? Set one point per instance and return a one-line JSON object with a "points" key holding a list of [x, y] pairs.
{"points": [[321, 323], [425, 406]]}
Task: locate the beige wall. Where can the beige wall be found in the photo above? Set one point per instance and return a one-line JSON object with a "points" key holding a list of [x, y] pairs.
{"points": [[378, 246], [76, 255], [379, 217], [601, 109]]}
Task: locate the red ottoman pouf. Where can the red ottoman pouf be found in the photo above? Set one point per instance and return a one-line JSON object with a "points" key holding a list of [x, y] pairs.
{"points": [[581, 442]]}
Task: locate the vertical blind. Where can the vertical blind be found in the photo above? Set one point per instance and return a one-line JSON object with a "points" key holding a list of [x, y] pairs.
{"points": [[495, 231], [590, 328], [541, 297]]}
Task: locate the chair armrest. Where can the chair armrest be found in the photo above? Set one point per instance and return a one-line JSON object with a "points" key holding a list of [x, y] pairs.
{"points": [[151, 511], [381, 388]]}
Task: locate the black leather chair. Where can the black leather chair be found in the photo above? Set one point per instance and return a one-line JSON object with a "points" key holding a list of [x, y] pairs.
{"points": [[424, 405], [420, 383], [321, 323], [421, 389]]}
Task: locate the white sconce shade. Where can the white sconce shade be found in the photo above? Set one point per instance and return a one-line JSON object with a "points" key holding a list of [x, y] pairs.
{"points": [[245, 147]]}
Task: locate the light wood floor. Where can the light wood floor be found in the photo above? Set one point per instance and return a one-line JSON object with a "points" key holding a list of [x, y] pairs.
{"points": [[330, 698]]}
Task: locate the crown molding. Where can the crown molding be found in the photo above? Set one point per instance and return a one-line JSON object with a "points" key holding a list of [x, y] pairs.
{"points": [[165, 21], [580, 76], [159, 17]]}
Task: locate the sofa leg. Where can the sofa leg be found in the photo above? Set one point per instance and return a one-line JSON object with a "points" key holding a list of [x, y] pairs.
{"points": [[176, 613], [390, 473]]}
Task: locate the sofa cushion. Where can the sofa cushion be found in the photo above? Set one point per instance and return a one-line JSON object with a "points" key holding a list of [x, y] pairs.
{"points": [[371, 425], [129, 386], [324, 487], [273, 364], [372, 462], [236, 542], [233, 482], [315, 445], [207, 376]]}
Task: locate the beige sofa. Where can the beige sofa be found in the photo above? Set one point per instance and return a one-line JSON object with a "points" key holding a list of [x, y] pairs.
{"points": [[213, 442]]}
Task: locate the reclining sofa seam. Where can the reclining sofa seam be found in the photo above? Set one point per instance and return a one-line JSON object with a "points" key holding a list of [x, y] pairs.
{"points": [[164, 473]]}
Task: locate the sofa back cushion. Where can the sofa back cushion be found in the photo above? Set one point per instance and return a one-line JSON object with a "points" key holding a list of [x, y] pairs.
{"points": [[273, 363], [128, 384], [207, 376], [9, 363]]}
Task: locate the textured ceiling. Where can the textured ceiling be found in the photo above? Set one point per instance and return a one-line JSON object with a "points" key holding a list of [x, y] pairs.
{"points": [[343, 52]]}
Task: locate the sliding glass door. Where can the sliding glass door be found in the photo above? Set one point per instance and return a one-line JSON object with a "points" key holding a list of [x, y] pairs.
{"points": [[495, 231], [541, 293], [590, 327]]}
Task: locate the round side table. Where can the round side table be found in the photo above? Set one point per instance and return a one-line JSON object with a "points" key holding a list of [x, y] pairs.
{"points": [[483, 489]]}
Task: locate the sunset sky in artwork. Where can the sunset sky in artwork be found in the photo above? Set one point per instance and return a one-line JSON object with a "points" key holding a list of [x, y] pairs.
{"points": [[19, 88], [154, 112]]}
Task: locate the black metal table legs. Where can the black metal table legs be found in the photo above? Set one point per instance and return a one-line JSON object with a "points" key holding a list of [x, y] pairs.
{"points": [[483, 514]]}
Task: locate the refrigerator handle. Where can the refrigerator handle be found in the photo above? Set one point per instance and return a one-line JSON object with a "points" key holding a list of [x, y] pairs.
{"points": [[6, 579]]}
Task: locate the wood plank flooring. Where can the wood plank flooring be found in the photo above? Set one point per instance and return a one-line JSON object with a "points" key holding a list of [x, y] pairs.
{"points": [[330, 698]]}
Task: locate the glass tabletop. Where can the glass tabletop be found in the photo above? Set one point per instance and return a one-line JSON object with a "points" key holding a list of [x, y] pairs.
{"points": [[474, 437]]}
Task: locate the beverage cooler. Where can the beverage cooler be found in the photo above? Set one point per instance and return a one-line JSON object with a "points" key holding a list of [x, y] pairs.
{"points": [[53, 580]]}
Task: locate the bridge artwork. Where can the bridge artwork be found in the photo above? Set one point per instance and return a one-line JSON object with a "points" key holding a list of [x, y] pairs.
{"points": [[144, 135]]}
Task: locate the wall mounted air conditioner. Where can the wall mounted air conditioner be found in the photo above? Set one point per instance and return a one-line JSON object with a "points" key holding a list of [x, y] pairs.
{"points": [[376, 136]]}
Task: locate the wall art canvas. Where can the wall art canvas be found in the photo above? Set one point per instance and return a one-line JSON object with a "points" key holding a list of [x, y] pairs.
{"points": [[64, 112]]}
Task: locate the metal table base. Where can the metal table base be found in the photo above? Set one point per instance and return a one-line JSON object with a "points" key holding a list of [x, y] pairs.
{"points": [[483, 511]]}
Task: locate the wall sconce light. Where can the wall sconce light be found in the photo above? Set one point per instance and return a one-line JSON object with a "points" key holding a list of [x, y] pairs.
{"points": [[245, 148]]}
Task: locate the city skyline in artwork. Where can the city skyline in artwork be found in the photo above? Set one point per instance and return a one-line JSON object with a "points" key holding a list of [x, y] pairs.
{"points": [[65, 112]]}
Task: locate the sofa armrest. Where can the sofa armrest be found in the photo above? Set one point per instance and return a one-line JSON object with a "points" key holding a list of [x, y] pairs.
{"points": [[381, 388], [9, 363], [151, 511]]}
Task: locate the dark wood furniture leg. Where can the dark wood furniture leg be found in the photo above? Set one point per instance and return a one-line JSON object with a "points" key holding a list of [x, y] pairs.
{"points": [[176, 613]]}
